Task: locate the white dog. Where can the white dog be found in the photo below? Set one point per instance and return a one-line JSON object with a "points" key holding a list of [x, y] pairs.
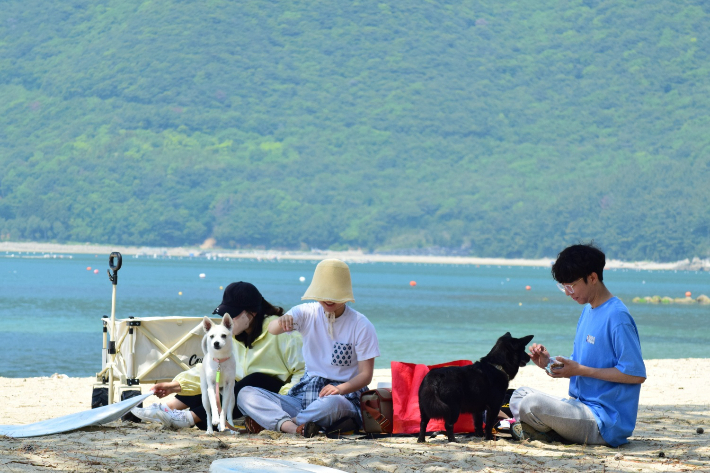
{"points": [[219, 367]]}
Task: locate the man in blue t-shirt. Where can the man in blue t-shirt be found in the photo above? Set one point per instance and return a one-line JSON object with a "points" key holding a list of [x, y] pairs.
{"points": [[606, 368]]}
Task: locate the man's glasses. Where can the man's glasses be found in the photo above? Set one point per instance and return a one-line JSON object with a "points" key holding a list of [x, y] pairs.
{"points": [[567, 288]]}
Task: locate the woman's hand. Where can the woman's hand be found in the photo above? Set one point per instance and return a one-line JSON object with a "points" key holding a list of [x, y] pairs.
{"points": [[365, 370], [539, 355], [328, 390], [241, 322], [281, 325], [286, 322], [163, 389]]}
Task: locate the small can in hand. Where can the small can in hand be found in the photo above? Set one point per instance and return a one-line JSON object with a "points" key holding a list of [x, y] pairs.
{"points": [[553, 364]]}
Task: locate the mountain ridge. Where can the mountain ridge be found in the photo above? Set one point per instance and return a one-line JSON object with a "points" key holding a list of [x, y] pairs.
{"points": [[494, 129]]}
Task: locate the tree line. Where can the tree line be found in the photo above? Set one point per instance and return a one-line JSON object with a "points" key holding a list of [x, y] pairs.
{"points": [[478, 127]]}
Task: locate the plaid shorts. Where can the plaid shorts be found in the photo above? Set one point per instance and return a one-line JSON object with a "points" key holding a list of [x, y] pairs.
{"points": [[310, 386]]}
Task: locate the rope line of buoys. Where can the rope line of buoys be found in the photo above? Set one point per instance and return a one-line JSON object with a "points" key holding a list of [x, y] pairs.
{"points": [[701, 299]]}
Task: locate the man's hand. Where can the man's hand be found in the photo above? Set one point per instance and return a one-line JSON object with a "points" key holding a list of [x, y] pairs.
{"points": [[539, 355], [570, 368]]}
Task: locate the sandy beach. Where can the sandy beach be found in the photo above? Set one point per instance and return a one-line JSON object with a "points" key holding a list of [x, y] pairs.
{"points": [[353, 256], [675, 402]]}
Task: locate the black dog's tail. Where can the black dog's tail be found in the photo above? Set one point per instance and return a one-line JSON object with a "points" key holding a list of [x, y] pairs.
{"points": [[430, 403]]}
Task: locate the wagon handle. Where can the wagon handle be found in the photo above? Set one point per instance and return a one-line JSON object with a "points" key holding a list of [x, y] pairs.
{"points": [[114, 267]]}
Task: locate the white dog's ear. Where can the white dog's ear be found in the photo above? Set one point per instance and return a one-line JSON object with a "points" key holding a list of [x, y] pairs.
{"points": [[227, 321], [204, 345], [207, 324]]}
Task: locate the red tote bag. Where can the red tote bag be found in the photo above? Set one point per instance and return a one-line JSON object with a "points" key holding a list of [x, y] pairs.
{"points": [[406, 379]]}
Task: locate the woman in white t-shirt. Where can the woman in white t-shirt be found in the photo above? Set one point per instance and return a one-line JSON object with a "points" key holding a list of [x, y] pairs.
{"points": [[339, 347]]}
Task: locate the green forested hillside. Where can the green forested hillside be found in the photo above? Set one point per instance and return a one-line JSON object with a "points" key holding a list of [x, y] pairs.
{"points": [[479, 127]]}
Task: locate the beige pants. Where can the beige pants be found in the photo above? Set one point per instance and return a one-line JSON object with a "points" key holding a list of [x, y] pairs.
{"points": [[570, 418]]}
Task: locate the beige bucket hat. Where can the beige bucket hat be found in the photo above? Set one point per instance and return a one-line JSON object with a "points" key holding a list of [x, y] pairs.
{"points": [[331, 282]]}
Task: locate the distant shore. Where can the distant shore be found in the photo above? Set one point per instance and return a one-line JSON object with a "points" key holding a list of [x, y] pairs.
{"points": [[354, 256]]}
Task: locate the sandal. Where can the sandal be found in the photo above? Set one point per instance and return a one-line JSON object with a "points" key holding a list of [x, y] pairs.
{"points": [[252, 426], [522, 431], [307, 430]]}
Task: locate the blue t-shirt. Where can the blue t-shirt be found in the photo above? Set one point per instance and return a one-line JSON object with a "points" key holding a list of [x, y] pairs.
{"points": [[607, 338]]}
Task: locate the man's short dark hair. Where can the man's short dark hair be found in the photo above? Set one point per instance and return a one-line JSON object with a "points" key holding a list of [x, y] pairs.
{"points": [[578, 261]]}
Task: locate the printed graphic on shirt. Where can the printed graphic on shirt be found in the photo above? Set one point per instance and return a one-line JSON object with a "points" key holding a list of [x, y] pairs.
{"points": [[342, 354], [590, 339]]}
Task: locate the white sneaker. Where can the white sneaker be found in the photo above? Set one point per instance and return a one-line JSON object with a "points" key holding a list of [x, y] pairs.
{"points": [[175, 419], [149, 413]]}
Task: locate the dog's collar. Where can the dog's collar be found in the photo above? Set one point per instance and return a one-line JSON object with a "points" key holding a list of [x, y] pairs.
{"points": [[221, 360], [502, 370]]}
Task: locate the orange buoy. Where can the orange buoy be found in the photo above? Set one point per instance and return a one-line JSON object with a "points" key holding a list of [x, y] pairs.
{"points": [[688, 294], [527, 288], [88, 268], [412, 283]]}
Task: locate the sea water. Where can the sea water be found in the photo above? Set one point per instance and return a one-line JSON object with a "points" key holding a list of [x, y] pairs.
{"points": [[51, 307]]}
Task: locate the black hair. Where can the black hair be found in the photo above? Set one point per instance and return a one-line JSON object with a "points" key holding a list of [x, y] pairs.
{"points": [[579, 261], [257, 324]]}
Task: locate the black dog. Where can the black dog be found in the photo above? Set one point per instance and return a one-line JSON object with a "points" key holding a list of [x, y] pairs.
{"points": [[447, 392]]}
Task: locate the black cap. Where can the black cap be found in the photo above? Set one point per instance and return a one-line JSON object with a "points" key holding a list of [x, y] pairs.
{"points": [[238, 297]]}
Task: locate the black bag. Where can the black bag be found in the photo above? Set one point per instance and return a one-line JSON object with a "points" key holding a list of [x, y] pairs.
{"points": [[506, 403]]}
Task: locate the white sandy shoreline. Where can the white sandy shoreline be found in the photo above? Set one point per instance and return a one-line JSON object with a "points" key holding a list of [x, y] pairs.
{"points": [[674, 404], [353, 256]]}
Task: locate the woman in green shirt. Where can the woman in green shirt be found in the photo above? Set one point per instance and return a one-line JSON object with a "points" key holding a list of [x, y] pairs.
{"points": [[264, 360]]}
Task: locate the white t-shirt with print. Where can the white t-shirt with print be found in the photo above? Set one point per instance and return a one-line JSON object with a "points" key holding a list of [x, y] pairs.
{"points": [[354, 340]]}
